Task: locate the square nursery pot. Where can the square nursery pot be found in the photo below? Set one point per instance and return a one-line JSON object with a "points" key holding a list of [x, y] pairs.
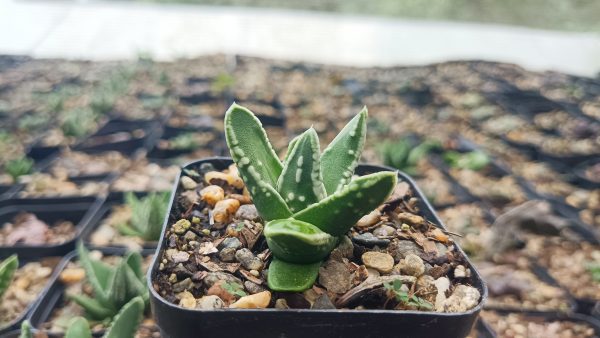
{"points": [[12, 328], [177, 322], [76, 210], [104, 211]]}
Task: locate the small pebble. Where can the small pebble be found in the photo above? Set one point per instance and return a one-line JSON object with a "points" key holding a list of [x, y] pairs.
{"points": [[369, 219], [247, 211], [281, 303], [384, 231], [225, 209], [227, 255], [231, 242], [256, 301], [188, 183], [379, 261], [248, 260], [185, 284], [412, 265], [462, 299], [210, 303], [180, 257], [367, 239], [253, 288], [73, 275], [461, 272], [187, 300], [180, 227], [212, 194]]}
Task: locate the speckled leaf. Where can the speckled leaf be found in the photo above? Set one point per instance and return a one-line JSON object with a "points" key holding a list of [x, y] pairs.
{"points": [[291, 277], [128, 319], [256, 161], [298, 242], [341, 156], [300, 183], [117, 289], [249, 146], [78, 328], [339, 212], [291, 147], [8, 267]]}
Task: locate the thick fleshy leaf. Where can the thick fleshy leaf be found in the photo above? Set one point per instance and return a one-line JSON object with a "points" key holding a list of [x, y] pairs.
{"points": [[78, 328], [8, 267], [249, 145], [93, 308], [97, 274], [117, 292], [291, 147], [291, 277], [257, 163], [26, 330], [341, 156], [298, 242], [339, 212], [126, 322], [300, 183]]}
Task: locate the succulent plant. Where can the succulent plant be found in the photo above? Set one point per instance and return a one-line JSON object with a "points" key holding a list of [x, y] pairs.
{"points": [[124, 324], [8, 267], [310, 198], [147, 215], [113, 286], [403, 155], [18, 167], [473, 160]]}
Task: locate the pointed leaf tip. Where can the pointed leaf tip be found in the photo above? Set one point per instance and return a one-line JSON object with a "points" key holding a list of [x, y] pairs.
{"points": [[341, 156]]}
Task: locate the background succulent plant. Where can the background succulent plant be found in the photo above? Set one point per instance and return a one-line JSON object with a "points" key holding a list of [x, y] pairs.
{"points": [[8, 267], [147, 215], [124, 324], [113, 286], [309, 199]]}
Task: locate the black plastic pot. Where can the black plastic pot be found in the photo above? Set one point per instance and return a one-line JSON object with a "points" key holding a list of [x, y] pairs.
{"points": [[78, 213], [101, 141], [53, 298], [114, 199], [552, 316], [582, 179], [14, 325], [176, 322]]}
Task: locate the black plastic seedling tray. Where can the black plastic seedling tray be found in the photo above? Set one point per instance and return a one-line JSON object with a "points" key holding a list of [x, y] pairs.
{"points": [[545, 317], [114, 199], [53, 298], [78, 213], [14, 325], [176, 322], [101, 141]]}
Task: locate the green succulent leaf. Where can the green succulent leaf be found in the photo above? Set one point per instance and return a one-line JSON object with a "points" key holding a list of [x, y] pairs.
{"points": [[26, 330], [249, 145], [474, 160], [291, 277], [298, 242], [256, 161], [339, 212], [8, 267], [126, 322], [93, 308], [291, 147], [147, 215], [79, 328], [300, 183], [97, 273], [341, 156]]}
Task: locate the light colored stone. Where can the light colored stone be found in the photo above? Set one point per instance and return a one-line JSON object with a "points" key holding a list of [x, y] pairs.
{"points": [[461, 272], [256, 301], [180, 257], [412, 265], [379, 261], [442, 285], [187, 300], [369, 219], [188, 183], [210, 303], [73, 275], [462, 299], [247, 211]]}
